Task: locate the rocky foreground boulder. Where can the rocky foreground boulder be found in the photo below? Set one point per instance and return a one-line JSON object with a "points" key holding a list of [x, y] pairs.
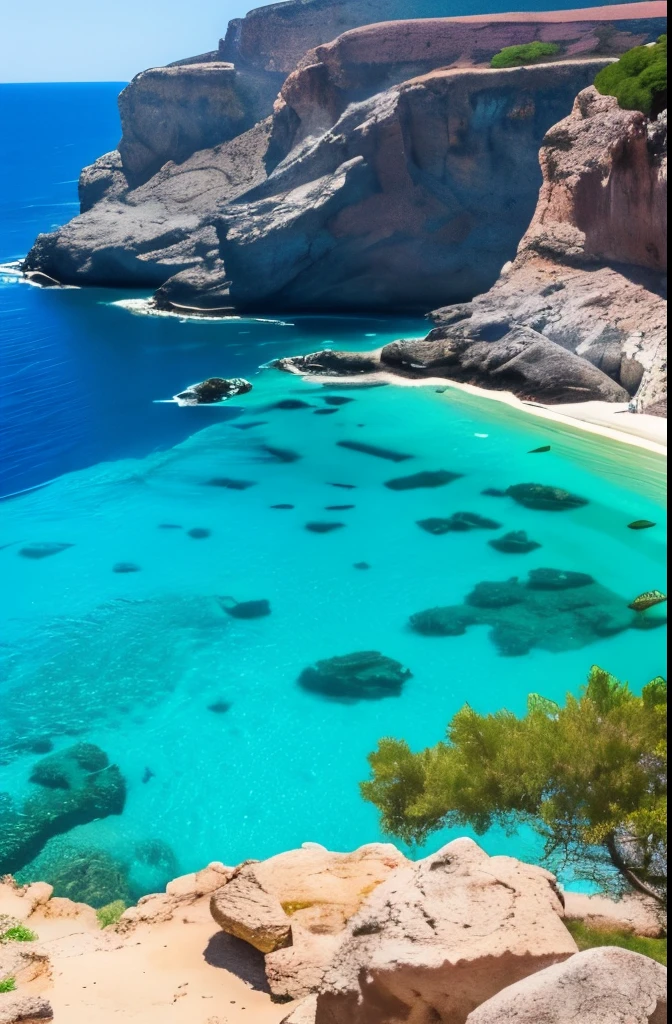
{"points": [[599, 986]]}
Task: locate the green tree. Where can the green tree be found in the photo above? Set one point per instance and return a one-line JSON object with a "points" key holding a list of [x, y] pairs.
{"points": [[590, 776], [639, 79], [525, 53]]}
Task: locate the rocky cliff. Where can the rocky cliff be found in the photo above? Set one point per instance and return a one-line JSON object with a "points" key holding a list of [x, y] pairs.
{"points": [[366, 937], [580, 312]]}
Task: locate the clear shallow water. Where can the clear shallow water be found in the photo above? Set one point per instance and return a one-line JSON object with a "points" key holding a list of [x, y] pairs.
{"points": [[132, 661]]}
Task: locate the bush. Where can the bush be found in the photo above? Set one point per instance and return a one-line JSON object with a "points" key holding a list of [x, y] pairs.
{"points": [[111, 913], [17, 933], [639, 79], [590, 938], [526, 53], [8, 985]]}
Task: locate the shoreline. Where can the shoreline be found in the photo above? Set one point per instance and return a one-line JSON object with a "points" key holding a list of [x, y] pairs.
{"points": [[649, 433]]}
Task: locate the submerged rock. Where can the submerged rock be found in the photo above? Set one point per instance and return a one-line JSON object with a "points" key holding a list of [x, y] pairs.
{"points": [[361, 565], [220, 707], [364, 675], [124, 567], [337, 508], [169, 526], [553, 610], [199, 533], [317, 527], [428, 478], [514, 543], [245, 609], [282, 506], [249, 426], [555, 579], [641, 524], [459, 522], [545, 498], [337, 399], [325, 412], [538, 451], [290, 404], [345, 487], [376, 450], [72, 787], [494, 492], [43, 550], [280, 454], [213, 390], [230, 484]]}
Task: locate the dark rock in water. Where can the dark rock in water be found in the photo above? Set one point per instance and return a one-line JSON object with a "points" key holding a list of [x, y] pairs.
{"points": [[494, 492], [337, 508], [538, 451], [361, 565], [37, 745], [523, 616], [459, 522], [555, 579], [230, 484], [124, 567], [280, 454], [70, 788], [282, 506], [544, 498], [220, 707], [147, 776], [43, 550], [213, 390], [290, 404], [324, 412], [346, 487], [496, 595], [169, 526], [249, 426], [514, 543], [199, 533], [365, 675], [337, 399], [245, 609], [317, 527], [372, 449], [641, 524], [429, 478]]}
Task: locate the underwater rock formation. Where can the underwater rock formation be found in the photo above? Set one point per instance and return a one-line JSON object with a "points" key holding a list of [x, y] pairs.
{"points": [[364, 675], [545, 498], [515, 543], [554, 610], [459, 522], [245, 609], [43, 549], [427, 478], [72, 787]]}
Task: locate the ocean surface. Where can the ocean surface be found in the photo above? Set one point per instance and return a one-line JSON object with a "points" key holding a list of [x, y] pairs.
{"points": [[225, 756]]}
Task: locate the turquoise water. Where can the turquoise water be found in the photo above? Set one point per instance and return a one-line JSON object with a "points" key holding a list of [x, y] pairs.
{"points": [[133, 661]]}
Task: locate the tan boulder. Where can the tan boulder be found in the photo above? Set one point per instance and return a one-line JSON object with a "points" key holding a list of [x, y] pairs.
{"points": [[245, 909], [20, 901], [21, 961], [24, 1010], [441, 936], [599, 986]]}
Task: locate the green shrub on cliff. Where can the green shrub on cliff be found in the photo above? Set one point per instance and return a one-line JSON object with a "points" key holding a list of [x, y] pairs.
{"points": [[526, 53], [8, 985], [639, 79], [589, 776], [111, 913]]}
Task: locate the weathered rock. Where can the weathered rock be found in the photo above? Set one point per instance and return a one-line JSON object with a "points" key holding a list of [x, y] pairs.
{"points": [[244, 909], [71, 787], [19, 1009], [545, 498], [245, 609], [459, 522], [213, 390], [599, 986], [566, 613], [365, 675], [557, 579], [441, 936]]}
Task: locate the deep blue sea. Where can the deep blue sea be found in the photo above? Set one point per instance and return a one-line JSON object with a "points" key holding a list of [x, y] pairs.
{"points": [[134, 661]]}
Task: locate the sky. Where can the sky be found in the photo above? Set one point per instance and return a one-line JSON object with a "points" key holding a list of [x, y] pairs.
{"points": [[106, 40]]}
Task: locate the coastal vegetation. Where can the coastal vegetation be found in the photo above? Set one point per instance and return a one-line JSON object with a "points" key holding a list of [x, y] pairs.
{"points": [[110, 913], [8, 985], [589, 776], [524, 53], [639, 79], [587, 937], [14, 931]]}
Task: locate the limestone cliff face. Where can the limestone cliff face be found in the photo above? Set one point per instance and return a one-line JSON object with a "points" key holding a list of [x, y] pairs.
{"points": [[367, 60], [421, 191], [589, 273]]}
